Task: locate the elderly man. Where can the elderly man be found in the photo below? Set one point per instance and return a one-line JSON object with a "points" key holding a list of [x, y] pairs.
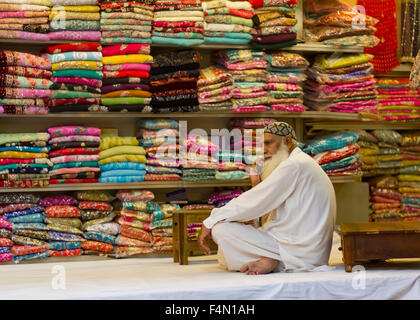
{"points": [[299, 199]]}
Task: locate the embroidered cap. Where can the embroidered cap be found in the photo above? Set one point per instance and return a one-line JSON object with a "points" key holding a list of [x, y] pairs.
{"points": [[281, 129]]}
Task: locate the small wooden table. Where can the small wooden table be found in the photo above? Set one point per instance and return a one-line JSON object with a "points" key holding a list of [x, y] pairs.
{"points": [[379, 241], [182, 247]]}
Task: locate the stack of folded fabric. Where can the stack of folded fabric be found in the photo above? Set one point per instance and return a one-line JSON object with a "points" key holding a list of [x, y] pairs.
{"points": [[275, 23], [126, 21], [77, 20], [24, 83], [74, 154], [29, 234], [228, 22], [231, 166], [62, 218], [248, 70], [396, 100], [99, 229], [200, 162], [342, 83], [24, 19], [173, 81], [121, 160], [285, 75], [336, 153], [252, 141], [178, 22], [134, 216], [77, 76], [223, 196], [336, 23], [194, 229], [215, 89], [368, 147], [384, 199], [126, 77], [24, 160], [6, 233], [159, 137], [162, 227]]}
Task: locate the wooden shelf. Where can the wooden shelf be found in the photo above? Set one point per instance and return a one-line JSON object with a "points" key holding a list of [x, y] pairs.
{"points": [[302, 115], [301, 47], [155, 185]]}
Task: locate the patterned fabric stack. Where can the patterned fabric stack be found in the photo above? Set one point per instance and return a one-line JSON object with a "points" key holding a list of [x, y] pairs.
{"points": [[336, 153], [126, 77], [252, 141], [342, 83], [99, 229], [64, 225], [162, 227], [24, 83], [24, 19], [368, 147], [6, 228], [396, 100], [194, 229], [384, 199], [121, 160], [178, 22], [248, 70], [24, 160], [77, 77], [29, 234], [222, 197], [135, 216], [275, 22], [74, 153], [77, 20], [285, 76], [228, 22], [215, 89], [173, 80], [336, 23], [126, 22], [159, 137], [231, 166]]}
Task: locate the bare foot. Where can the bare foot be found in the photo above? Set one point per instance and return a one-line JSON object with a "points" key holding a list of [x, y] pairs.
{"points": [[262, 266]]}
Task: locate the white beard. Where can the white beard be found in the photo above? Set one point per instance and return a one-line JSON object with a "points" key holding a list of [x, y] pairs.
{"points": [[271, 164]]}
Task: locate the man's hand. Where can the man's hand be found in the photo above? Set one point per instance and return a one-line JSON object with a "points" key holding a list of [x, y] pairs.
{"points": [[255, 179], [204, 238]]}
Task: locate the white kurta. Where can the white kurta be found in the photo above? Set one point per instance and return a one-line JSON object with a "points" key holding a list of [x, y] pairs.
{"points": [[302, 198]]}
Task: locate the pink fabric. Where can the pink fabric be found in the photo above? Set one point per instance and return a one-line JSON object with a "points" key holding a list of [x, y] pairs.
{"points": [[287, 108], [61, 131], [75, 158], [13, 93], [14, 207], [127, 67], [289, 87], [75, 138], [257, 108], [76, 80], [75, 35], [250, 95], [74, 170], [166, 163], [261, 64], [132, 48], [6, 161], [5, 224]]}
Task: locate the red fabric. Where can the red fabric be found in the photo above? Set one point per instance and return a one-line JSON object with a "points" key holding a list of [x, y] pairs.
{"points": [[24, 184], [63, 181], [162, 177], [71, 151], [61, 102], [83, 46], [256, 3], [386, 51], [120, 49], [123, 74]]}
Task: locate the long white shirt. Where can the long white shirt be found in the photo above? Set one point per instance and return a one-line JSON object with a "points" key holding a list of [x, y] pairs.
{"points": [[303, 199]]}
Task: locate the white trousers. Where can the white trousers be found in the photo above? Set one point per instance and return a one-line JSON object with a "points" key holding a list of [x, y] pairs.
{"points": [[239, 244]]}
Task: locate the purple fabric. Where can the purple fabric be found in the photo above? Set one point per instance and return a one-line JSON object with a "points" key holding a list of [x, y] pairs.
{"points": [[76, 80], [57, 201], [125, 86], [75, 35]]}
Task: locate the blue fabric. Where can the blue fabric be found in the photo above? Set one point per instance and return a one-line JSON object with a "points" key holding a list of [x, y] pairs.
{"points": [[83, 73], [65, 245], [61, 236], [101, 237], [30, 218], [162, 170], [118, 179], [231, 175], [330, 142], [415, 201], [29, 165], [122, 166], [32, 256], [341, 163], [26, 149], [23, 212], [226, 40], [75, 56], [178, 41], [121, 173], [29, 226], [4, 250]]}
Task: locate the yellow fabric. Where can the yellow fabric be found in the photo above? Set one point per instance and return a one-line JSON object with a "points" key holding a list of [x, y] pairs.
{"points": [[124, 158], [84, 65], [407, 163], [62, 15], [131, 58], [109, 142], [127, 93], [76, 8], [334, 61], [114, 151], [408, 190], [368, 151], [408, 177], [368, 159], [388, 157], [22, 155]]}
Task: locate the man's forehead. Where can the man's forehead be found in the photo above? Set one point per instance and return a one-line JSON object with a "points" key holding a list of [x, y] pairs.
{"points": [[271, 136]]}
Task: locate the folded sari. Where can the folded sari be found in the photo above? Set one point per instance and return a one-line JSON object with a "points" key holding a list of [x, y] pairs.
{"points": [[228, 19], [24, 14], [127, 66], [23, 21], [126, 33], [228, 35], [68, 15], [74, 87], [23, 82], [125, 74], [111, 81], [179, 24], [26, 72], [24, 35], [118, 87], [70, 47], [63, 181], [125, 22], [220, 27], [125, 100], [22, 7], [144, 28], [125, 40], [78, 81], [82, 65], [23, 93], [127, 93], [13, 58], [124, 15], [74, 56], [75, 35], [75, 25], [78, 73], [69, 101], [131, 58], [65, 94]]}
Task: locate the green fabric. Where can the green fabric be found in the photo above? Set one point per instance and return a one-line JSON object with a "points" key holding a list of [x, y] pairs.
{"points": [[77, 25], [274, 46], [76, 164], [78, 73], [125, 100], [65, 94]]}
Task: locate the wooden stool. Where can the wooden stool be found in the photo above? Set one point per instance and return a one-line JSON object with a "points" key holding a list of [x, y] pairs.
{"points": [[379, 241], [182, 247]]}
